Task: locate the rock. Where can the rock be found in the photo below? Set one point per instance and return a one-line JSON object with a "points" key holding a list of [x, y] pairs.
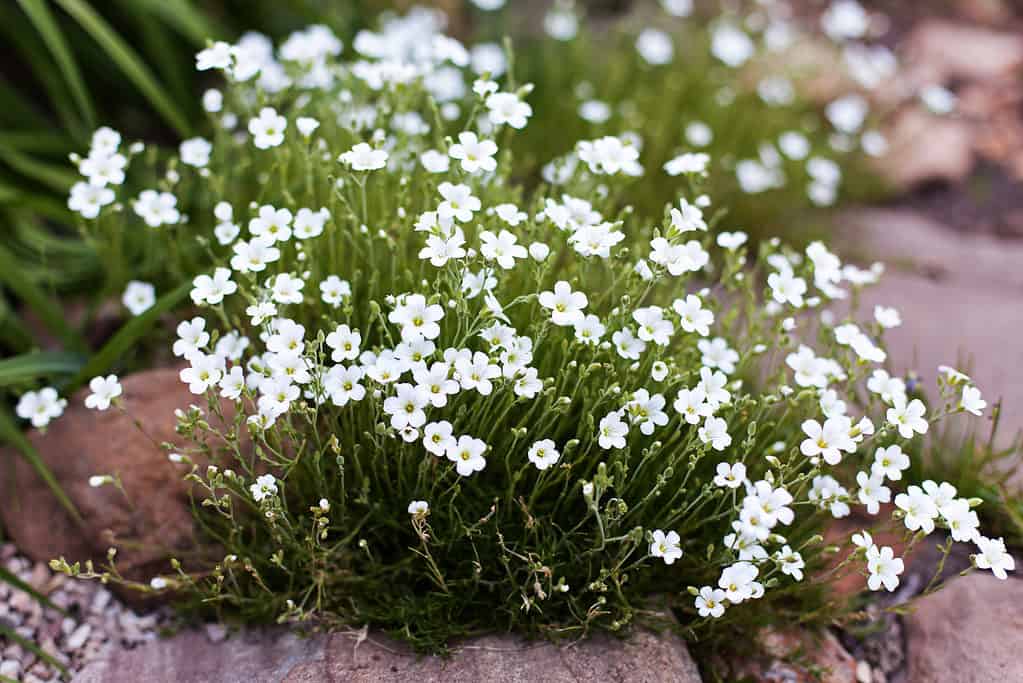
{"points": [[971, 631], [959, 297], [797, 655], [273, 655], [157, 519], [978, 53], [923, 147]]}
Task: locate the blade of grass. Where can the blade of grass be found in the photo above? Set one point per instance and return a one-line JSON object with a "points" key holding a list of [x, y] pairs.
{"points": [[54, 176], [125, 338], [10, 633], [12, 275], [10, 433], [41, 17], [32, 365], [12, 579], [127, 60], [183, 16]]}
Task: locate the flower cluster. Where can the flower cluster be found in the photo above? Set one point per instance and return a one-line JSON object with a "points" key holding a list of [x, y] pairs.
{"points": [[433, 390]]}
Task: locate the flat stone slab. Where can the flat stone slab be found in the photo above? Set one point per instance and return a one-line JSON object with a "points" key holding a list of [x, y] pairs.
{"points": [[961, 299], [279, 656]]}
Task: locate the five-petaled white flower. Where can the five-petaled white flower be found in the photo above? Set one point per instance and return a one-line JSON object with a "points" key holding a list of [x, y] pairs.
{"points": [[666, 546]]}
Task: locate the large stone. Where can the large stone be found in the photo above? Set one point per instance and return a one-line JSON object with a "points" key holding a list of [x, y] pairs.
{"points": [[147, 523], [941, 51], [971, 631], [959, 295], [278, 656], [924, 147]]}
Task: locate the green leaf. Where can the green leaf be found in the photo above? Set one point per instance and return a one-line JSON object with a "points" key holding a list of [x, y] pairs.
{"points": [[10, 633], [183, 16], [13, 276], [126, 337], [42, 364], [57, 177], [10, 433], [127, 60], [41, 17]]}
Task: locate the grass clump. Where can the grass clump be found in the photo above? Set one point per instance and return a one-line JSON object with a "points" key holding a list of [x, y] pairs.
{"points": [[434, 403]]}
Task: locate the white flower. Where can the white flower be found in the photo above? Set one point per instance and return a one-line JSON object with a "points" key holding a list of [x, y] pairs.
{"points": [[731, 45], [543, 454], [590, 330], [692, 405], [653, 326], [306, 125], [612, 431], [566, 306], [418, 508], [791, 562], [501, 248], [730, 476], [40, 407], [993, 556], [475, 154], [884, 568], [507, 108], [717, 354], [666, 546], [713, 386], [872, 491], [658, 371], [810, 371], [363, 157], [104, 390], [963, 523], [157, 208], [435, 161], [715, 432], [418, 319], [828, 440], [334, 290], [627, 344], [192, 337], [220, 55], [731, 240], [195, 152], [687, 217], [344, 384], [476, 372], [459, 202], [845, 20], [232, 384], [103, 169], [467, 454], [920, 511], [887, 317], [886, 386], [690, 162], [711, 601], [138, 297], [787, 288], [655, 46], [212, 290], [647, 411], [406, 406], [739, 582], [254, 255], [908, 417], [271, 224], [694, 318], [344, 343], [267, 129], [510, 214], [287, 289], [203, 373], [88, 199], [265, 486], [971, 401]]}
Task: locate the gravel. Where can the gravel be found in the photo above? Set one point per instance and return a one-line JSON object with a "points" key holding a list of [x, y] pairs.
{"points": [[95, 620]]}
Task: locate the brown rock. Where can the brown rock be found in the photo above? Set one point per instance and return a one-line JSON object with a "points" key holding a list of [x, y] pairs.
{"points": [[148, 525], [924, 147], [971, 631], [795, 655], [275, 655], [943, 50]]}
